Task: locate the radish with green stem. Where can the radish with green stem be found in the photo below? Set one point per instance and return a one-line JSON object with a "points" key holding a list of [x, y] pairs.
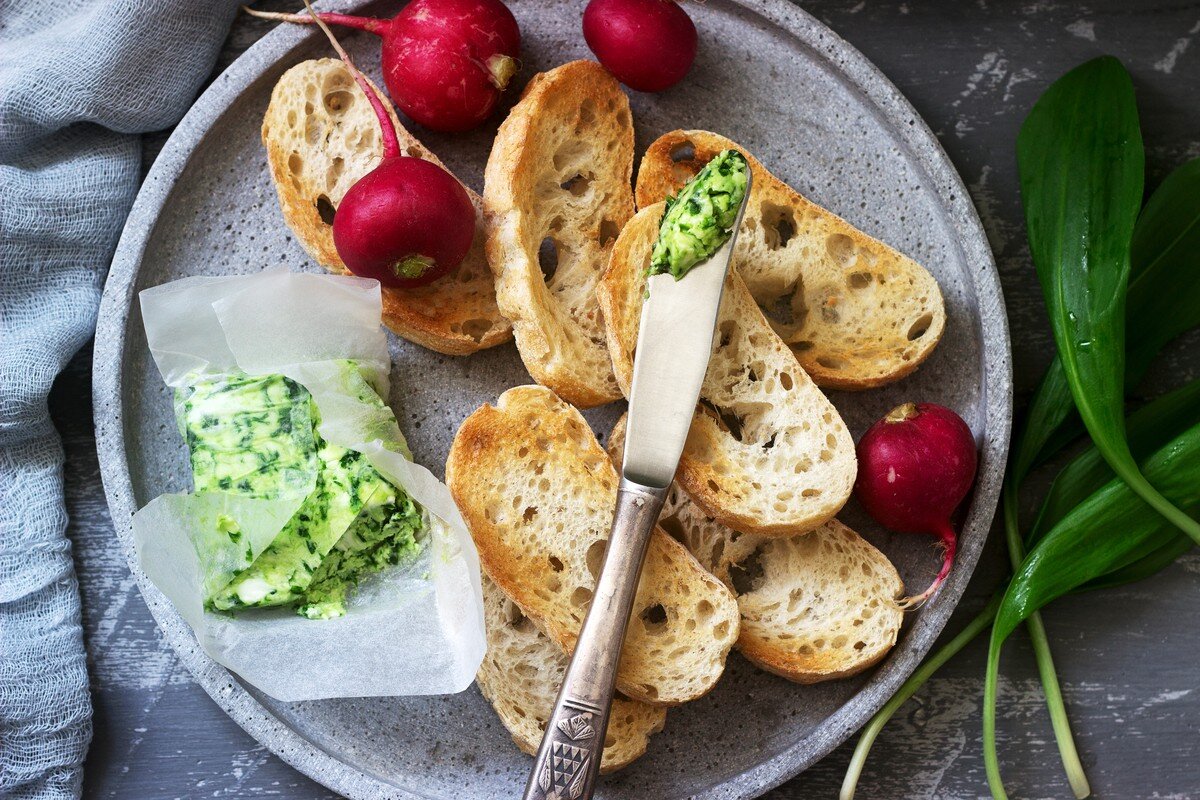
{"points": [[915, 466], [407, 222], [445, 62]]}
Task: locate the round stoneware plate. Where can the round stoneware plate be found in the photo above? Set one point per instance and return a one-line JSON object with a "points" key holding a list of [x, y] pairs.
{"points": [[773, 79]]}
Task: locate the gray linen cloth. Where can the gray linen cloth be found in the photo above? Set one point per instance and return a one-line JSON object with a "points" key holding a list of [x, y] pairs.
{"points": [[80, 80]]}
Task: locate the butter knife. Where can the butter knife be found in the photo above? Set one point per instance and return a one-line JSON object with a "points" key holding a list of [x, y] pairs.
{"points": [[675, 340]]}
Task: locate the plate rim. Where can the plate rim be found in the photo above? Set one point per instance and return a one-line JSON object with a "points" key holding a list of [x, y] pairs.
{"points": [[325, 767]]}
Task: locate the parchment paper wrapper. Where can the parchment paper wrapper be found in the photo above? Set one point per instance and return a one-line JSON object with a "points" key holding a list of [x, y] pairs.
{"points": [[416, 628]]}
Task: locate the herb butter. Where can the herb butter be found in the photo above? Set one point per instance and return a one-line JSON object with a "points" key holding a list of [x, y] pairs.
{"points": [[699, 219], [258, 436]]}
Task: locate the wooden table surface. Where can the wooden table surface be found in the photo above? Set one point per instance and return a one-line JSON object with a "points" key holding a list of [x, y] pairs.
{"points": [[1127, 657]]}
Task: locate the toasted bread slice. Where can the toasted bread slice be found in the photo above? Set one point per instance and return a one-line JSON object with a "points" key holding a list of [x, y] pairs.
{"points": [[772, 456], [822, 607], [522, 672], [815, 606], [857, 313], [538, 492], [558, 190], [321, 137]]}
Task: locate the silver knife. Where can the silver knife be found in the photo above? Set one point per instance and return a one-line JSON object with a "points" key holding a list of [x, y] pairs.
{"points": [[674, 344]]}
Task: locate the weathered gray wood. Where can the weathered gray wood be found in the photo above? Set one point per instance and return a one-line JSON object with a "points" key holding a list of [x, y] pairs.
{"points": [[1127, 656]]}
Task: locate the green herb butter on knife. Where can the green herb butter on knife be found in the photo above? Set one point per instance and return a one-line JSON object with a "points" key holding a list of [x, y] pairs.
{"points": [[257, 436], [699, 219]]}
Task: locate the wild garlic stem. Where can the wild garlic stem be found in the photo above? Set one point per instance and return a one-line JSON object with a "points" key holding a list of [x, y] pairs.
{"points": [[1067, 752], [910, 687]]}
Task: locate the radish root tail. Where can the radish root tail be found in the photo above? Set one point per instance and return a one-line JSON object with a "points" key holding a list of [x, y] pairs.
{"points": [[391, 143], [369, 24], [949, 544]]}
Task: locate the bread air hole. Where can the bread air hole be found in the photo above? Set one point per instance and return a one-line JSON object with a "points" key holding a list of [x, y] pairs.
{"points": [[514, 618], [829, 362], [572, 152], [654, 619], [595, 557], [548, 258], [295, 163], [577, 185], [336, 167], [859, 280], [673, 527], [920, 327], [476, 328], [683, 151], [727, 421], [338, 102], [787, 310], [609, 231], [841, 249], [587, 112], [581, 597], [325, 209], [747, 575], [779, 225]]}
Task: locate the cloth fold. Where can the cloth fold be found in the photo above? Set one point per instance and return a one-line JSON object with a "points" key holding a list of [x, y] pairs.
{"points": [[79, 83]]}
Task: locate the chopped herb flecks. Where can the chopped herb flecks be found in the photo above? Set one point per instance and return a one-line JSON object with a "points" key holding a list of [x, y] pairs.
{"points": [[699, 219], [257, 437]]}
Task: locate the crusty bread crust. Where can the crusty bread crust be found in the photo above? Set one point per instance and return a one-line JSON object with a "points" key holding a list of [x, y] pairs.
{"points": [[321, 136], [815, 606], [538, 492], [771, 455], [522, 672], [856, 313], [560, 172]]}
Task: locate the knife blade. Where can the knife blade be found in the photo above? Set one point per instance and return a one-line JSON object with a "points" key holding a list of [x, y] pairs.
{"points": [[675, 340]]}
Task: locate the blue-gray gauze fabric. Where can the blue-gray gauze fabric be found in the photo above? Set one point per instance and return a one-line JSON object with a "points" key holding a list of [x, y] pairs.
{"points": [[80, 81]]}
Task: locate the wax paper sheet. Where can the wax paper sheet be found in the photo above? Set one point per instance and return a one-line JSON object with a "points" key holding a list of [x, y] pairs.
{"points": [[416, 628]]}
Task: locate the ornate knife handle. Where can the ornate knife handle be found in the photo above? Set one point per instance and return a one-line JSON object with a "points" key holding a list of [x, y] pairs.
{"points": [[568, 760]]}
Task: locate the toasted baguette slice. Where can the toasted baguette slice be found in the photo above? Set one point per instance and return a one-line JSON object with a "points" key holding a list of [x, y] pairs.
{"points": [[522, 672], [321, 137], [815, 606], [538, 492], [558, 183], [857, 313], [824, 605], [773, 457]]}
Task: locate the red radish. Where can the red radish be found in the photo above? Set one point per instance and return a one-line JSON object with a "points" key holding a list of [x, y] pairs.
{"points": [[648, 45], [408, 221], [445, 62], [914, 468]]}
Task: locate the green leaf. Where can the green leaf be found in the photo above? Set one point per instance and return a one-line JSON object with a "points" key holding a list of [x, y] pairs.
{"points": [[1148, 429], [1148, 565], [1164, 293], [1163, 302], [1105, 532], [1081, 161], [1112, 533]]}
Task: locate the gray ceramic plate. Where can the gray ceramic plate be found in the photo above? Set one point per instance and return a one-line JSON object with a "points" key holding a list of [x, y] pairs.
{"points": [[773, 79]]}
